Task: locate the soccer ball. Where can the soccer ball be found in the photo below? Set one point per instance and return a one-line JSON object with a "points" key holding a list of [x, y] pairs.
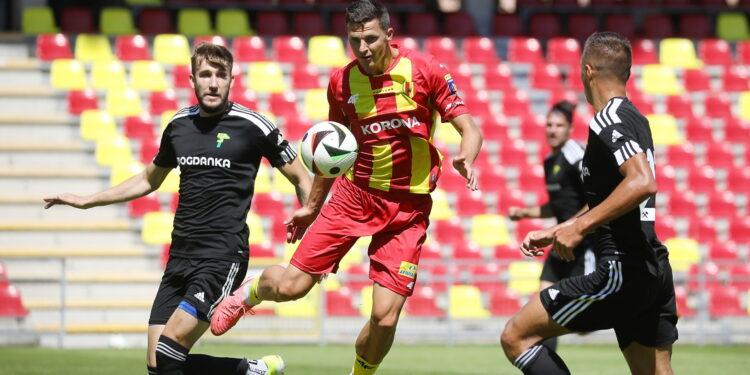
{"points": [[328, 149]]}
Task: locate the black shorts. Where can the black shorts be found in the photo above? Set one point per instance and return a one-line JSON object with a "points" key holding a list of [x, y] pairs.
{"points": [[619, 294], [556, 268], [196, 286]]}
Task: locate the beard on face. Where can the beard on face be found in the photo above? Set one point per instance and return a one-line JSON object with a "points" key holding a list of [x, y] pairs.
{"points": [[211, 109]]}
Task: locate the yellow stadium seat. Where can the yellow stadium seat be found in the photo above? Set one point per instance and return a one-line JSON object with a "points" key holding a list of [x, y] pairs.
{"points": [[659, 80], [107, 75], [744, 104], [732, 26], [93, 47], [68, 74], [326, 50], [113, 150], [122, 172], [466, 302], [678, 53], [664, 129], [255, 224], [331, 282], [489, 230], [171, 184], [116, 21], [441, 210], [232, 22], [157, 228], [365, 305], [281, 184], [263, 180], [124, 102], [305, 307], [38, 20], [166, 116], [447, 134], [194, 22], [172, 49], [354, 256], [144, 3], [266, 76], [316, 104], [683, 253], [148, 75], [524, 276], [96, 124]]}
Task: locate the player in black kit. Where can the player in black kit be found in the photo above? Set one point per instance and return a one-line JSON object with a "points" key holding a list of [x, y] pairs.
{"points": [[218, 146], [562, 174], [631, 289]]}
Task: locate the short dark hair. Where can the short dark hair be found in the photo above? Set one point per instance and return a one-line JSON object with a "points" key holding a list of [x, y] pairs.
{"points": [[566, 109], [362, 11], [214, 54], [610, 53]]}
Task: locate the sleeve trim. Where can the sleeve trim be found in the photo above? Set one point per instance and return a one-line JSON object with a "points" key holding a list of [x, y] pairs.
{"points": [[627, 151]]}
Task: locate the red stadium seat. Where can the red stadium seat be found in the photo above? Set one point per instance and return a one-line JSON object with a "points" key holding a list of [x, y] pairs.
{"points": [[514, 153], [511, 198], [269, 205], [743, 52], [544, 26], [153, 21], [573, 79], [623, 24], [523, 227], [422, 24], [132, 48], [78, 20], [499, 77], [467, 251], [546, 77], [582, 25], [444, 49], [53, 46], [139, 127], [174, 201], [493, 179], [181, 76], [696, 80], [249, 49], [262, 250], [462, 76], [666, 179], [681, 156], [283, 104], [140, 206], [305, 76], [487, 277], [295, 127], [480, 50], [10, 302], [504, 302], [683, 308], [723, 251], [665, 227], [507, 25], [739, 229], [532, 178], [657, 26], [710, 272], [644, 52], [431, 251], [163, 101], [533, 128], [695, 26], [722, 204], [725, 302], [460, 25], [715, 52], [564, 51], [148, 150], [719, 155], [478, 101], [307, 24], [563, 94], [699, 129], [703, 229], [495, 129], [290, 49], [737, 132], [245, 97], [516, 104], [406, 42], [682, 204], [470, 203], [215, 39], [740, 275], [643, 102], [718, 106], [271, 23], [525, 50], [702, 180], [423, 303], [338, 23], [508, 252], [357, 276], [680, 106], [736, 79], [79, 101], [738, 179], [340, 303]]}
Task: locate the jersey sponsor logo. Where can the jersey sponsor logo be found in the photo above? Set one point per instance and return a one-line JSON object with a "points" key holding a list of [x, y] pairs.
{"points": [[451, 84], [408, 269], [220, 138], [585, 171], [204, 161], [353, 99], [553, 293], [556, 169], [377, 127], [200, 296]]}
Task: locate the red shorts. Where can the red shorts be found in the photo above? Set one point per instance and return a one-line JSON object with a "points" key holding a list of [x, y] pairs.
{"points": [[397, 226]]}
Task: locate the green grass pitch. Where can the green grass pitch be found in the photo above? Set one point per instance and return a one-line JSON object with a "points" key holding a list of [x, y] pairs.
{"points": [[402, 360]]}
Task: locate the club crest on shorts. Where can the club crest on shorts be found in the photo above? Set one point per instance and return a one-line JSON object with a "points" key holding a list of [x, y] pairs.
{"points": [[408, 269]]}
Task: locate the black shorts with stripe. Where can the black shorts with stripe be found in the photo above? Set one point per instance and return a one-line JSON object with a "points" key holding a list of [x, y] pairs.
{"points": [[619, 294], [201, 283]]}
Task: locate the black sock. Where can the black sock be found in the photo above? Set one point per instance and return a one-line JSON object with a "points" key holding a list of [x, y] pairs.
{"points": [[201, 364], [170, 357], [540, 360], [551, 343], [151, 370]]}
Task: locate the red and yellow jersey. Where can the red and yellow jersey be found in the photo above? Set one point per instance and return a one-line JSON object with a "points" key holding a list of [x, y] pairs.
{"points": [[393, 117]]}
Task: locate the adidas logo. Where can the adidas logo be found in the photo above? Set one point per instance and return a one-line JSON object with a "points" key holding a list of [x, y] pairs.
{"points": [[616, 136], [553, 293], [200, 296]]}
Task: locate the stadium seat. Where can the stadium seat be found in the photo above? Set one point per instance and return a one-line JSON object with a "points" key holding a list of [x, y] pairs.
{"points": [[546, 77], [723, 250], [246, 98], [290, 49], [719, 155], [92, 47], [743, 52], [444, 49], [525, 50], [489, 230], [523, 227], [696, 80], [172, 49], [249, 49], [215, 39], [449, 231], [515, 104], [564, 51], [423, 303], [232, 23], [305, 76], [38, 20], [255, 224], [96, 124], [659, 80], [327, 51], [735, 79], [644, 52], [684, 310], [737, 132], [699, 129], [657, 26], [683, 253], [514, 153], [665, 227], [664, 129], [308, 24], [123, 102], [305, 307], [738, 179], [544, 26], [678, 53], [732, 26], [725, 302], [283, 104], [81, 100], [316, 104], [715, 52], [744, 105], [53, 46], [194, 22], [511, 198], [10, 302], [680, 106], [644, 103], [421, 24], [702, 180], [623, 24], [263, 250], [504, 302], [148, 75], [132, 48], [107, 75], [467, 251], [682, 204], [112, 150], [465, 302], [339, 303], [139, 127], [441, 210], [695, 26], [162, 101], [269, 205], [739, 229], [181, 77], [470, 203], [77, 20], [271, 23], [507, 25], [584, 26], [702, 229], [157, 228], [523, 277], [461, 25], [740, 276], [154, 21], [508, 252], [266, 77], [479, 50], [116, 21], [406, 42], [487, 277], [718, 106], [124, 171], [499, 77]]}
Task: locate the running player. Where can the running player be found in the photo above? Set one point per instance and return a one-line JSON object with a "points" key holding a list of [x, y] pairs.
{"points": [[388, 96], [631, 289], [562, 173], [218, 146]]}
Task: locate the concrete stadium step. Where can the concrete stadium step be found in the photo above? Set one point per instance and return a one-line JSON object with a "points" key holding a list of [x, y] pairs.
{"points": [[14, 47], [95, 340], [43, 319], [28, 98], [36, 211], [22, 268], [35, 290], [22, 236], [34, 127], [46, 154], [81, 180]]}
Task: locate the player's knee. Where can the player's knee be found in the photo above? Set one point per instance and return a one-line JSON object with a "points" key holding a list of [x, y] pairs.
{"points": [[510, 341], [388, 320]]}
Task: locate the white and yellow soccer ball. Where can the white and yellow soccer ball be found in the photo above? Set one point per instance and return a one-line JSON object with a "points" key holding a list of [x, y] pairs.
{"points": [[328, 149]]}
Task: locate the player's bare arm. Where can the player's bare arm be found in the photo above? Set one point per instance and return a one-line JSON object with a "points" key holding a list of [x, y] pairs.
{"points": [[137, 186], [638, 184], [303, 217], [296, 173], [533, 212], [471, 143]]}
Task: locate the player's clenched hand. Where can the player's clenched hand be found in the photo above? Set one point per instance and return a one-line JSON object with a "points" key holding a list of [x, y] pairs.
{"points": [[298, 223], [566, 239], [68, 199], [465, 170], [535, 241]]}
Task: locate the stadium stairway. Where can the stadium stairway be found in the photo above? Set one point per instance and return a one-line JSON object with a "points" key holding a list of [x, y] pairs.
{"points": [[110, 277]]}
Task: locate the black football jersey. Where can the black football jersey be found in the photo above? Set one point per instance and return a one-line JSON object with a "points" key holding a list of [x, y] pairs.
{"points": [[562, 174], [617, 133], [218, 157]]}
